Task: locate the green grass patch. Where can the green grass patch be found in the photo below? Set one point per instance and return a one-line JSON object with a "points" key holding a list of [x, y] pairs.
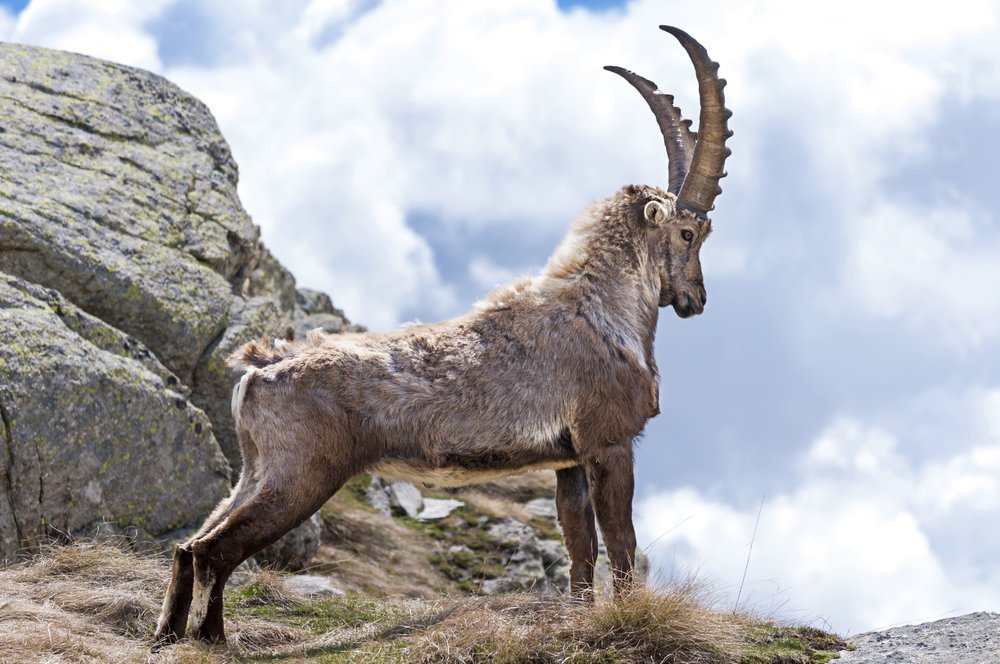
{"points": [[350, 496], [316, 616], [546, 528], [778, 644]]}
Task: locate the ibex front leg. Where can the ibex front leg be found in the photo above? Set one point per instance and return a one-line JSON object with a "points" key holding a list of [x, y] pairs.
{"points": [[611, 484]]}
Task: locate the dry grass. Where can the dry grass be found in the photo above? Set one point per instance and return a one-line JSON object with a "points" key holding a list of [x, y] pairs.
{"points": [[98, 602], [95, 602], [87, 602], [367, 552], [665, 625], [494, 506]]}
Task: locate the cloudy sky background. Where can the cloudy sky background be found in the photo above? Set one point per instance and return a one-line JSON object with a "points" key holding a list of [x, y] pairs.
{"points": [[407, 156]]}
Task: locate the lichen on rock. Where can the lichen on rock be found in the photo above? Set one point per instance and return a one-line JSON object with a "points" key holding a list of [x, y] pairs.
{"points": [[128, 272], [90, 431]]}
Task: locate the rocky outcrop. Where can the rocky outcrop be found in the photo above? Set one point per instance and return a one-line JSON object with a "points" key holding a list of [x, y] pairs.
{"points": [[967, 639], [94, 427], [405, 499], [128, 271], [531, 562], [498, 537]]}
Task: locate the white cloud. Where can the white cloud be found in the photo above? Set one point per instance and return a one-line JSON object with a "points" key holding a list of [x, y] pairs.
{"points": [[934, 268], [488, 275], [109, 29], [857, 544], [348, 117], [447, 119], [6, 24]]}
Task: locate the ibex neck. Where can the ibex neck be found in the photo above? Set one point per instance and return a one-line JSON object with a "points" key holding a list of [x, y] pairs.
{"points": [[615, 283], [622, 304]]}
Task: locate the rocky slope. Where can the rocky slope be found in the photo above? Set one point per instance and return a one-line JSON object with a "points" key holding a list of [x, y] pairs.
{"points": [[395, 539], [128, 271], [968, 639]]}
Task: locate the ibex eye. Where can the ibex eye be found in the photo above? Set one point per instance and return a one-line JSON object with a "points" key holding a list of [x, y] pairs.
{"points": [[687, 235]]}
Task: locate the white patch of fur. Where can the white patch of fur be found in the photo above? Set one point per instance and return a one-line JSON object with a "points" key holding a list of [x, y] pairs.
{"points": [[544, 433], [456, 476], [200, 596], [168, 598], [624, 323], [239, 393], [625, 336]]}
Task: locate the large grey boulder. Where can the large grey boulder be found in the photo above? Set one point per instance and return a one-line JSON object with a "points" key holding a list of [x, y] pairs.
{"points": [[118, 191], [968, 639], [94, 428], [118, 203]]}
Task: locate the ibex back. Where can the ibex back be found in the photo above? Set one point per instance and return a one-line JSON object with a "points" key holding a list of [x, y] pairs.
{"points": [[554, 371]]}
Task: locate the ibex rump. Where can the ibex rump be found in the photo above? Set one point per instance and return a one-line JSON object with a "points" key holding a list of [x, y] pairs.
{"points": [[554, 371]]}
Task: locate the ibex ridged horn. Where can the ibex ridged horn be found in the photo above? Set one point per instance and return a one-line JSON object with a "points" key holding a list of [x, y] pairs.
{"points": [[677, 134], [696, 159]]}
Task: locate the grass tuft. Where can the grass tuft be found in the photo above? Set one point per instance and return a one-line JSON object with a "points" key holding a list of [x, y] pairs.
{"points": [[663, 625]]}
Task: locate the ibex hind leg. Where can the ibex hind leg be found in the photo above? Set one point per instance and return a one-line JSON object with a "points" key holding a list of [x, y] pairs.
{"points": [[171, 625], [281, 502], [173, 619]]}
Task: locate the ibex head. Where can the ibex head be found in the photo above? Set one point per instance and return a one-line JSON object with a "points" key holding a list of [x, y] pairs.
{"points": [[679, 223]]}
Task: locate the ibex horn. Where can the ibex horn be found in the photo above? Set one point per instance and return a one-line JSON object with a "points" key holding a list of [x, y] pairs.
{"points": [[696, 160]]}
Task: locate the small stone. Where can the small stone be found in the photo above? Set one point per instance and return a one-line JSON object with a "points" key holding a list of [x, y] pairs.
{"points": [[377, 495], [542, 507], [311, 585], [436, 508], [405, 499]]}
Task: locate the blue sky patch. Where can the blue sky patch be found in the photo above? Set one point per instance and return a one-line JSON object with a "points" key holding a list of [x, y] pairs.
{"points": [[14, 6], [592, 5]]}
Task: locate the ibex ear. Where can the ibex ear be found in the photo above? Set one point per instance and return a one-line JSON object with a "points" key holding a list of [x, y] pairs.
{"points": [[657, 213]]}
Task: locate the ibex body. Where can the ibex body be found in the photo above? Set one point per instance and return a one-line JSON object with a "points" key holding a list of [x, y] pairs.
{"points": [[551, 372]]}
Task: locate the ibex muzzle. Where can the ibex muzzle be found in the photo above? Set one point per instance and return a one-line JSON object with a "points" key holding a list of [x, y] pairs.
{"points": [[551, 372]]}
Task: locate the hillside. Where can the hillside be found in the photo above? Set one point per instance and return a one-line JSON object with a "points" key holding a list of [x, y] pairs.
{"points": [[386, 588]]}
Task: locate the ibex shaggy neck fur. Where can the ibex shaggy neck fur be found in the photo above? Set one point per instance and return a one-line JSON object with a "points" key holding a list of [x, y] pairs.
{"points": [[551, 372]]}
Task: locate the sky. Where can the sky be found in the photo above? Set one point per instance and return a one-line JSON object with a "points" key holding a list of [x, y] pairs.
{"points": [[844, 380]]}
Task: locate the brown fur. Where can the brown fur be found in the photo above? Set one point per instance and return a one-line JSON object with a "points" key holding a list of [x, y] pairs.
{"points": [[554, 371]]}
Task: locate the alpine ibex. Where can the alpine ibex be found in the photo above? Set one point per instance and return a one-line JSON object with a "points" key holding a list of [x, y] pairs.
{"points": [[554, 371]]}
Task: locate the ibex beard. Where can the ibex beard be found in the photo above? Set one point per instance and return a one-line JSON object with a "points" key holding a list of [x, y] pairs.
{"points": [[553, 372]]}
